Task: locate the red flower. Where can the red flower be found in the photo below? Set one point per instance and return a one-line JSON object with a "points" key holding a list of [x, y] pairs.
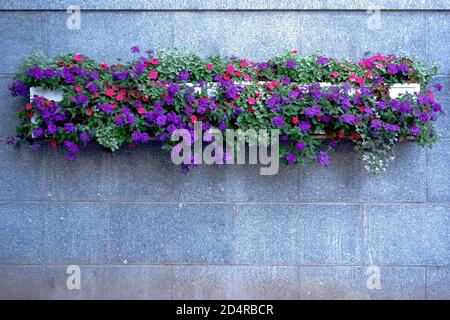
{"points": [[132, 145], [103, 67], [155, 61], [294, 51], [295, 120], [210, 67], [362, 108], [153, 75], [193, 119], [89, 112], [251, 109], [230, 69], [360, 81], [28, 106], [145, 98], [110, 92], [20, 110], [30, 115], [120, 97], [341, 134], [251, 101], [78, 89], [431, 94], [77, 57], [226, 76], [53, 144], [141, 110], [238, 73]]}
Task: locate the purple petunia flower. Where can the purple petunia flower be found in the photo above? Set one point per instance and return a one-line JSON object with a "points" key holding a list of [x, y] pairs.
{"points": [[18, 88], [69, 127], [305, 126], [52, 129], [322, 159], [313, 111], [278, 121], [274, 102], [130, 120], [415, 130], [349, 119], [375, 124], [300, 146], [183, 76], [84, 136], [323, 60], [106, 108], [135, 49], [161, 120], [391, 127], [119, 121], [93, 88], [291, 64], [38, 132], [291, 158], [72, 150], [81, 99], [381, 105], [438, 86], [403, 68], [392, 69]]}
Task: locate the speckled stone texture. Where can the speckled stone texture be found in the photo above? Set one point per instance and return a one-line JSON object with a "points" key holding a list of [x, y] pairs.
{"points": [[139, 229]]}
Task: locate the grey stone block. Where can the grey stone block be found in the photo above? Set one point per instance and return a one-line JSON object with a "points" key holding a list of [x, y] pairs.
{"points": [[351, 283], [346, 179], [236, 183], [107, 36], [144, 173], [18, 282], [235, 33], [415, 234], [227, 4], [86, 178], [8, 109], [439, 29], [77, 233], [235, 283], [22, 233], [22, 173], [438, 283], [21, 32], [166, 233], [298, 234], [112, 282], [350, 35], [443, 97], [439, 172]]}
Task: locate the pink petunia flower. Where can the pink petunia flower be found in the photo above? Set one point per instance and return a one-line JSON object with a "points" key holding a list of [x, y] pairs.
{"points": [[335, 74], [77, 57], [251, 101], [153, 75], [230, 69], [155, 61], [353, 77], [210, 67]]}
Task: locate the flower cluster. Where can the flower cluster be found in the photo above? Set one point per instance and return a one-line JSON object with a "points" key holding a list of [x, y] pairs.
{"points": [[159, 92]]}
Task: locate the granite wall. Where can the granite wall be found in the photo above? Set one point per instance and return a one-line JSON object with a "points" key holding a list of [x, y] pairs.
{"points": [[137, 228]]}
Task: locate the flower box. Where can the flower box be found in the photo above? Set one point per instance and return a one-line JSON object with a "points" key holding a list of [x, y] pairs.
{"points": [[53, 95]]}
